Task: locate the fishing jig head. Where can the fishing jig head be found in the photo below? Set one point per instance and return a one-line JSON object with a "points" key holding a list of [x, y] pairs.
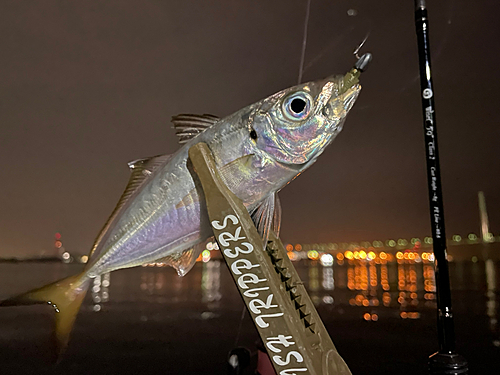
{"points": [[352, 77]]}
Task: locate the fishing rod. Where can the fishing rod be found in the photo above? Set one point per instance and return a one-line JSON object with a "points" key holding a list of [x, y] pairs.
{"points": [[446, 360]]}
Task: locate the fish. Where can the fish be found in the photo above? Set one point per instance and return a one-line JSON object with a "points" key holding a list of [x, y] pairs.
{"points": [[162, 216]]}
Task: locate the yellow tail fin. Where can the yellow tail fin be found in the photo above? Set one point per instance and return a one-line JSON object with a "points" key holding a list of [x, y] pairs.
{"points": [[65, 296]]}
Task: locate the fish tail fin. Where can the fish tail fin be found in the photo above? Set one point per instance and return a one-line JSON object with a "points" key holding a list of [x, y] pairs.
{"points": [[65, 296]]}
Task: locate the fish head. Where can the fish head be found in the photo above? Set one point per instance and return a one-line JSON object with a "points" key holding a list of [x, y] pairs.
{"points": [[294, 126]]}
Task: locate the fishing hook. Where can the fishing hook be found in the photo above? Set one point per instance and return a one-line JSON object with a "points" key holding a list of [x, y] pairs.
{"points": [[364, 59], [355, 53]]}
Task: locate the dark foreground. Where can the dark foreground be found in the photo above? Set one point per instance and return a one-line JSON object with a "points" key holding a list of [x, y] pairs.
{"points": [[149, 321]]}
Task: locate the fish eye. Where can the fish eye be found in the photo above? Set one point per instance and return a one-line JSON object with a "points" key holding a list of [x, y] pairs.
{"points": [[297, 106]]}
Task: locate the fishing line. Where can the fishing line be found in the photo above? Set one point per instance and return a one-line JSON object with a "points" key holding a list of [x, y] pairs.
{"points": [[304, 41], [409, 80], [239, 326], [331, 45], [358, 48]]}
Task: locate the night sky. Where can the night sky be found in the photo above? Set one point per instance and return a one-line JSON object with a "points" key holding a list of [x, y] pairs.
{"points": [[86, 86]]}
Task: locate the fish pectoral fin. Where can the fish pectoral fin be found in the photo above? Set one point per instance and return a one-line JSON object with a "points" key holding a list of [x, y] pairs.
{"points": [[184, 261], [65, 296], [188, 126], [237, 172], [267, 216]]}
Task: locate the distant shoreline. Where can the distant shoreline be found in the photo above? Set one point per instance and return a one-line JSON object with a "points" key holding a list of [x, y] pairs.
{"points": [[38, 260]]}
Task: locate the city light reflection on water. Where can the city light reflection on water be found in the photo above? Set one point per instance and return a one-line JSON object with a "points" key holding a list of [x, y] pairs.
{"points": [[363, 304], [403, 287], [100, 291], [373, 289], [492, 303], [210, 283]]}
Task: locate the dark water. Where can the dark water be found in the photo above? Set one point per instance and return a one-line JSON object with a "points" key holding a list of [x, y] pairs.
{"points": [[149, 321]]}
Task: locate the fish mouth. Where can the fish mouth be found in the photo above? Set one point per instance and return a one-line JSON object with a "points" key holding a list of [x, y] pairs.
{"points": [[349, 97], [340, 102]]}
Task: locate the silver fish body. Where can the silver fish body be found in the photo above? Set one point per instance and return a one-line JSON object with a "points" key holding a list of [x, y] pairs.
{"points": [[162, 213], [258, 150]]}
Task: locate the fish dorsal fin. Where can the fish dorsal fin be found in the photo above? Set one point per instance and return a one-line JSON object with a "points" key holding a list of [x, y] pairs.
{"points": [[184, 261], [141, 169], [188, 126], [267, 216]]}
